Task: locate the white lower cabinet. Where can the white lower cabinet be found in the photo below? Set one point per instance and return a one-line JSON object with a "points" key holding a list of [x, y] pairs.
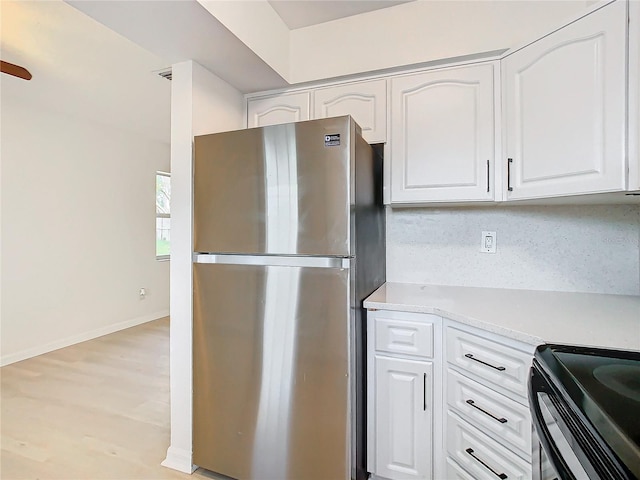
{"points": [[445, 400], [402, 349], [488, 424], [403, 418]]}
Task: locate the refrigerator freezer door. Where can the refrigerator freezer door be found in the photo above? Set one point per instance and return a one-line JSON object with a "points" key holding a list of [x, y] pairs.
{"points": [[282, 189], [271, 365]]}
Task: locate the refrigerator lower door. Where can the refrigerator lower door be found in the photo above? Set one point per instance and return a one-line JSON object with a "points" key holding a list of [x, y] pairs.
{"points": [[271, 364]]}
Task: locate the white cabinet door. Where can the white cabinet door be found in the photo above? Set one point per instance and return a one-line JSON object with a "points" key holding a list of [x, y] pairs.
{"points": [[564, 120], [366, 102], [634, 96], [277, 109], [442, 135], [403, 403]]}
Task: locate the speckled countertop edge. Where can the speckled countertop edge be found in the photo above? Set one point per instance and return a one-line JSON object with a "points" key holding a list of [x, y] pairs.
{"points": [[529, 316]]}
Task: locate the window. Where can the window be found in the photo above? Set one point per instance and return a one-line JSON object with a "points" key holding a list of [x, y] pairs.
{"points": [[163, 215]]}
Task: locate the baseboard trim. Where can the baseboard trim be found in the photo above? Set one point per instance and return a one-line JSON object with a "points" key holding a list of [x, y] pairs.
{"points": [[82, 337], [180, 460]]}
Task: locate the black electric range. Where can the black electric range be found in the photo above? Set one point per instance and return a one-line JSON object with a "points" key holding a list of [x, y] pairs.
{"points": [[585, 406]]}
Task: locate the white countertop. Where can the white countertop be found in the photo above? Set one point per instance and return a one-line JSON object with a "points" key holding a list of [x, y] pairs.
{"points": [[530, 316]]}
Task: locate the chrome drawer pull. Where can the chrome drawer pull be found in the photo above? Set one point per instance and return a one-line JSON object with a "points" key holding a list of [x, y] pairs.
{"points": [[468, 355], [499, 475], [473, 404]]}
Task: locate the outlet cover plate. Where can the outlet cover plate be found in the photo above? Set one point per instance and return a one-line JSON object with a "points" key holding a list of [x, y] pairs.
{"points": [[488, 244]]}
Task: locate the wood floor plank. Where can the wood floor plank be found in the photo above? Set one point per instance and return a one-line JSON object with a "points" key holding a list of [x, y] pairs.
{"points": [[98, 410]]}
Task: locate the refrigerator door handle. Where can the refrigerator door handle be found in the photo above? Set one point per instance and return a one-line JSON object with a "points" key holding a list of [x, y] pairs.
{"points": [[273, 260]]}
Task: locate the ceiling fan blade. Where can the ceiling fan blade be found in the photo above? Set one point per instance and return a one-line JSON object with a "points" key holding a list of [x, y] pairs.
{"points": [[15, 70]]}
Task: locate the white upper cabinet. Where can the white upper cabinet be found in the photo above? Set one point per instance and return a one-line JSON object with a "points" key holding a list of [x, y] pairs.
{"points": [[559, 117], [366, 102], [277, 109], [442, 135], [564, 109], [634, 96]]}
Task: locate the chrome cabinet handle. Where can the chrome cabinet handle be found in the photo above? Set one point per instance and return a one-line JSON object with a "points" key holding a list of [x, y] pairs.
{"points": [[499, 475], [473, 404], [469, 356], [509, 162]]}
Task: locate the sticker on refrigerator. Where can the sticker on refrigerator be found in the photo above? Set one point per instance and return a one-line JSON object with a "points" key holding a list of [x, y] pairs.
{"points": [[332, 140]]}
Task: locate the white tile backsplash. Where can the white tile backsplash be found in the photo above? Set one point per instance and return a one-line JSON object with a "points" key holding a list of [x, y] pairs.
{"points": [[565, 248]]}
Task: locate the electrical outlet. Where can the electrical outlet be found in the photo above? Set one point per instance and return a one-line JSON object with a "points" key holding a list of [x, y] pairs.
{"points": [[489, 241]]}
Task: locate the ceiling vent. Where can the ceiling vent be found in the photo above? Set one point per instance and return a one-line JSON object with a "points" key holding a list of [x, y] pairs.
{"points": [[165, 73]]}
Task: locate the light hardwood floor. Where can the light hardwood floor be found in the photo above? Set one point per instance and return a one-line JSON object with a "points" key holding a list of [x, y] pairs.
{"points": [[93, 411]]}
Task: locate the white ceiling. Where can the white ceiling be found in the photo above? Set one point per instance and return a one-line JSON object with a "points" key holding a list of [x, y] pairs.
{"points": [[304, 13], [103, 70], [179, 30], [82, 69]]}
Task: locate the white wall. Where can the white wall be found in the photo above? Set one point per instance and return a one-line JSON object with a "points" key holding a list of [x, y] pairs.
{"points": [[564, 248], [200, 103], [78, 228], [418, 32], [258, 26]]}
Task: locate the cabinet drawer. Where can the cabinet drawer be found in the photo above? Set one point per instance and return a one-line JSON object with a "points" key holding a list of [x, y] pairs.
{"points": [[484, 359], [498, 416], [406, 337], [454, 472], [481, 456]]}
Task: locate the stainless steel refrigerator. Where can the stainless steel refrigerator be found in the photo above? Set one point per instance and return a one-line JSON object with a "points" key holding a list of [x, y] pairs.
{"points": [[288, 241]]}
